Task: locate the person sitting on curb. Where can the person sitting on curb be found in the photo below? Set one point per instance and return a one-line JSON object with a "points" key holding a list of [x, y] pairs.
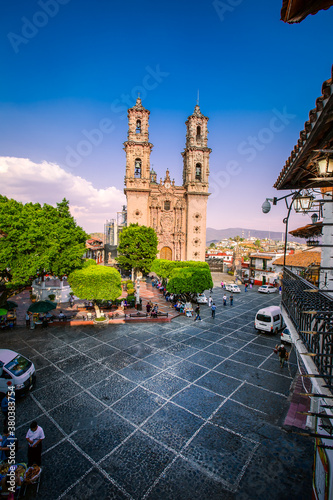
{"points": [[154, 311], [62, 317]]}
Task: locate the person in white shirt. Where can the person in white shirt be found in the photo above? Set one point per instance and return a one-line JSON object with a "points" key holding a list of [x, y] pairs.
{"points": [[35, 436], [61, 316]]}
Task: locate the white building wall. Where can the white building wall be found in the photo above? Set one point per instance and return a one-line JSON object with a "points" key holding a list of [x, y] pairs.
{"points": [[326, 275]]}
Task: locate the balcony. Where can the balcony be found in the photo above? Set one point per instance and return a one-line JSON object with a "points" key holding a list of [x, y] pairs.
{"points": [[311, 312]]}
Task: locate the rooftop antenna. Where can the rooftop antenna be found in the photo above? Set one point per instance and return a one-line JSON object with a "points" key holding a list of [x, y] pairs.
{"points": [[198, 98]]}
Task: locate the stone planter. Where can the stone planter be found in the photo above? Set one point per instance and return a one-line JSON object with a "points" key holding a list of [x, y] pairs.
{"points": [[105, 321]]}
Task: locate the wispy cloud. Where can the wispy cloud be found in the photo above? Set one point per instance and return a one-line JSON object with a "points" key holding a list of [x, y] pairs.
{"points": [[26, 181]]}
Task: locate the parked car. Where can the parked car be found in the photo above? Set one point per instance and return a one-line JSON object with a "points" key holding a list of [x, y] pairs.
{"points": [[232, 287], [267, 289], [286, 336], [201, 298], [16, 370]]}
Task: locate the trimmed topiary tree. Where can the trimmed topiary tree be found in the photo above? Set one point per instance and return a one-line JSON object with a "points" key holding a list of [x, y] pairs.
{"points": [[189, 281], [186, 278], [96, 283]]}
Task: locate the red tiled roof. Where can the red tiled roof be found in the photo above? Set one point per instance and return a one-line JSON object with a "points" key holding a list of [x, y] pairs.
{"points": [[294, 11], [301, 259], [261, 256], [308, 230], [311, 127], [98, 240]]}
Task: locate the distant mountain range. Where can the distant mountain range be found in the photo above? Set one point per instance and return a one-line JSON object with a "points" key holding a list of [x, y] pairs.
{"points": [[216, 235]]}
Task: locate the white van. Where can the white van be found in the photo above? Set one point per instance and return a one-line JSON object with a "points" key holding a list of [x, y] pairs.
{"points": [[269, 319], [16, 370]]}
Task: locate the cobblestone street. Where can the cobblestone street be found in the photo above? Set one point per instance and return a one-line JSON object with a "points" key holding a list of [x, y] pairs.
{"points": [[181, 410]]}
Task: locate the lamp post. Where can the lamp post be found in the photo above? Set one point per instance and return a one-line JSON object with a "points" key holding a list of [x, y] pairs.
{"points": [[137, 294], [302, 204]]}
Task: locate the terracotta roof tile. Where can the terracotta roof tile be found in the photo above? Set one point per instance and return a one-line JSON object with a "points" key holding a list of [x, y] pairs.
{"points": [[302, 259], [295, 11], [314, 114]]}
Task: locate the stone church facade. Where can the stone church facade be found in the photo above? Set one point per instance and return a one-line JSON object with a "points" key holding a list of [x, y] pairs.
{"points": [[177, 213]]}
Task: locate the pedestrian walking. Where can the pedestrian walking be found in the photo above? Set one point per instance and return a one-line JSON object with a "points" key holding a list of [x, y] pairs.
{"points": [[4, 407], [231, 299], [224, 300], [210, 301], [280, 290], [213, 309], [283, 354], [246, 287], [222, 284], [4, 445], [197, 311], [35, 436], [27, 320]]}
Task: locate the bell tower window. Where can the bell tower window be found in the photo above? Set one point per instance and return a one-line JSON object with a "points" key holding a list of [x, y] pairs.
{"points": [[198, 172], [198, 133], [138, 127], [137, 171]]}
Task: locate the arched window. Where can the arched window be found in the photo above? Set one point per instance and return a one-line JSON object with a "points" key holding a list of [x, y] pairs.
{"points": [[167, 205], [198, 172], [138, 127], [137, 170], [198, 132]]}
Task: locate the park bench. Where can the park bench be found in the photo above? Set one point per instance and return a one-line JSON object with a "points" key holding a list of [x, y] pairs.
{"points": [[138, 315]]}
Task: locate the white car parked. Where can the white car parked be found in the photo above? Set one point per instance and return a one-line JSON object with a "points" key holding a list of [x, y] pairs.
{"points": [[201, 298], [16, 370], [267, 289], [286, 336], [232, 287]]}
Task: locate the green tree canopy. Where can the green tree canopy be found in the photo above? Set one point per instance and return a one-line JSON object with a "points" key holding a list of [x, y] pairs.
{"points": [[189, 281], [89, 262], [35, 238], [257, 243], [212, 245], [185, 277], [137, 248], [96, 283], [164, 268]]}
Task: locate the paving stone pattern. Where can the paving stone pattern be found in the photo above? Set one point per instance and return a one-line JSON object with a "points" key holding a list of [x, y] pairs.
{"points": [[180, 410]]}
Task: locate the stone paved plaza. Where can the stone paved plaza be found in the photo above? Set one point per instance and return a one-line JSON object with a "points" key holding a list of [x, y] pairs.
{"points": [[181, 410]]}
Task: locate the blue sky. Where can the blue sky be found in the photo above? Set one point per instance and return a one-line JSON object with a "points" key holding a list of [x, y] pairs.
{"points": [[70, 67]]}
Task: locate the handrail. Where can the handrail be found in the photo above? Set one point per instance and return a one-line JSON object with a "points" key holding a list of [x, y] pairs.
{"points": [[310, 310]]}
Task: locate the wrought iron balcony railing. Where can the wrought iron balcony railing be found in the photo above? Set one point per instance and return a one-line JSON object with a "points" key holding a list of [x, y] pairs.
{"points": [[311, 312]]}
